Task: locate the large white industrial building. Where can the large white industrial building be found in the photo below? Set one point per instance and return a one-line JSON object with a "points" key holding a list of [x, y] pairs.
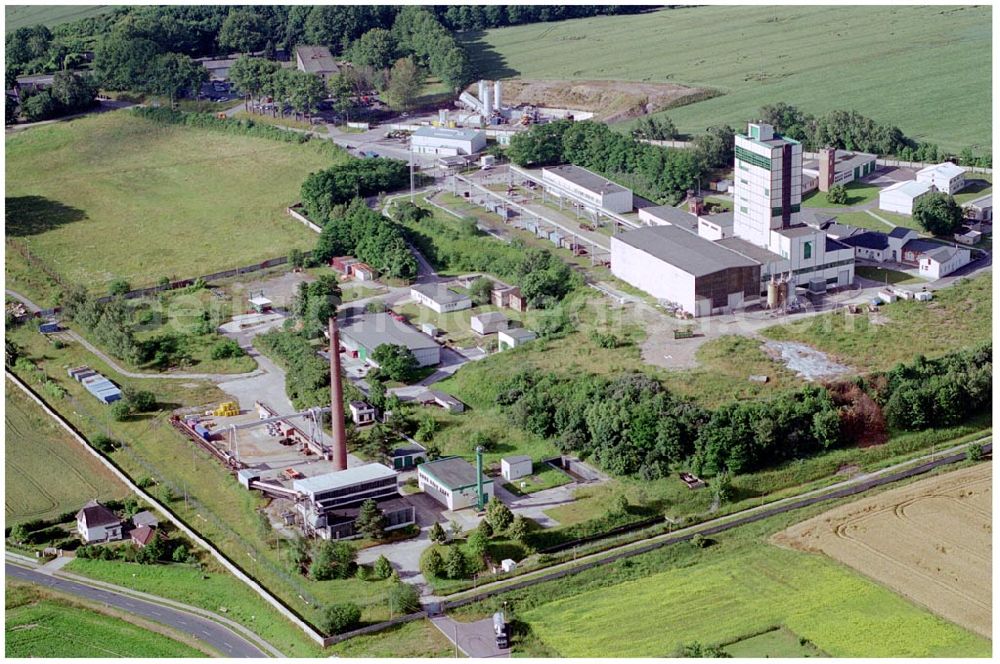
{"points": [[705, 263], [361, 335], [445, 142], [902, 196], [593, 191], [678, 266], [946, 177]]}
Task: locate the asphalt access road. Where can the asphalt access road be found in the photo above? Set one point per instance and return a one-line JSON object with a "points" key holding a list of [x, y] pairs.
{"points": [[227, 642]]}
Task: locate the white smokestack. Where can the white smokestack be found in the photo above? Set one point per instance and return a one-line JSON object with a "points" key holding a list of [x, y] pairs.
{"points": [[497, 102]]}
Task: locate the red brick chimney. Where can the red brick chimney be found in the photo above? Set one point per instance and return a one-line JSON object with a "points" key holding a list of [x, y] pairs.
{"points": [[339, 451], [827, 168], [694, 203]]}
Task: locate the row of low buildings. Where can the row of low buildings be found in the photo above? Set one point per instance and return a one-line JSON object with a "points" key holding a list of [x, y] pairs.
{"points": [[905, 246], [901, 197]]}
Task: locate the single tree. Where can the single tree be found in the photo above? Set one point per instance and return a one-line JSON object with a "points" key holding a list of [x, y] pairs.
{"points": [[405, 82], [455, 565], [837, 194], [481, 290], [477, 543], [938, 213], [397, 362], [403, 598], [376, 49], [433, 563], [371, 521], [437, 534], [518, 529], [499, 515], [382, 569]]}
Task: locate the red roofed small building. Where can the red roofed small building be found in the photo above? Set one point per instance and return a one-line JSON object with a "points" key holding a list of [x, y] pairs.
{"points": [[142, 536]]}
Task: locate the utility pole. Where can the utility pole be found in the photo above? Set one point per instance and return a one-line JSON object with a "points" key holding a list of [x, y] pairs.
{"points": [[411, 173]]}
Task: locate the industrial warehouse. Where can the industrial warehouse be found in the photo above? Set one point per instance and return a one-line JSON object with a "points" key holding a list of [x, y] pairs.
{"points": [[712, 264]]}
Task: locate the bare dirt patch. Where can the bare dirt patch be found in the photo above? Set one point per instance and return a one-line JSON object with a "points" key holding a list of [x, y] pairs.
{"points": [[611, 101], [929, 541]]}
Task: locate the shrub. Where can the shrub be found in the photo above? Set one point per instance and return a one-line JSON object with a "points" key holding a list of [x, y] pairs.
{"points": [[975, 452], [403, 598], [119, 287], [455, 565], [437, 534], [431, 563], [225, 349], [339, 618], [837, 194], [499, 515], [120, 410], [382, 568]]}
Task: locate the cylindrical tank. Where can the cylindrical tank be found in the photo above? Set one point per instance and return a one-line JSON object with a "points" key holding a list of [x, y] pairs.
{"points": [[497, 102], [772, 294], [482, 91], [443, 116], [487, 103]]}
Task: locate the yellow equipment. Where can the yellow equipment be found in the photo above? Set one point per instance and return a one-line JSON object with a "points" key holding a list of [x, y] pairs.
{"points": [[227, 409]]}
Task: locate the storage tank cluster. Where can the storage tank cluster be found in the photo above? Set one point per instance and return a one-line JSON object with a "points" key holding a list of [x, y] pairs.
{"points": [[488, 102], [777, 291]]}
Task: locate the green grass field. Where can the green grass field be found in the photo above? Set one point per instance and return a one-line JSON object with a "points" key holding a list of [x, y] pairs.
{"points": [[858, 193], [976, 185], [774, 643], [864, 220], [902, 65], [958, 316], [418, 638], [20, 16], [543, 477], [885, 275], [736, 591], [217, 592], [38, 623], [38, 450], [113, 195]]}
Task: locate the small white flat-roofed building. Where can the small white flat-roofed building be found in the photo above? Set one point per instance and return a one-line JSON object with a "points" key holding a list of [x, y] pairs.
{"points": [[980, 209], [362, 413], [515, 467], [902, 196], [593, 191], [452, 482], [260, 304], [716, 226], [361, 335], [513, 337], [969, 237], [489, 322], [445, 142], [676, 265], [946, 177], [943, 261], [440, 298], [316, 60]]}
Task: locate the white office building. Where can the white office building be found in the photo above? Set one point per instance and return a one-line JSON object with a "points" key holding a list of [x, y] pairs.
{"points": [[439, 298], [946, 177], [593, 191], [445, 142], [943, 261]]}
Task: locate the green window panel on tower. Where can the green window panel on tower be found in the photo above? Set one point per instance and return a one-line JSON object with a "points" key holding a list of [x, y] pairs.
{"points": [[752, 158]]}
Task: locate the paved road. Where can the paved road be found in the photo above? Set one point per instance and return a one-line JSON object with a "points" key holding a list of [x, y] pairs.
{"points": [[855, 485], [475, 639], [212, 633]]}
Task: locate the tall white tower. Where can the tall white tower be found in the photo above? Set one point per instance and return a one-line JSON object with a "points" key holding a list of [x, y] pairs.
{"points": [[767, 183]]}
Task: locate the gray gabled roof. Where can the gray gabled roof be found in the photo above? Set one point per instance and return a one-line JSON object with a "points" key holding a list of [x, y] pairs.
{"points": [[942, 255], [673, 215], [586, 179], [901, 232], [439, 293], [452, 472], [95, 514], [684, 250], [317, 59], [373, 330], [870, 240]]}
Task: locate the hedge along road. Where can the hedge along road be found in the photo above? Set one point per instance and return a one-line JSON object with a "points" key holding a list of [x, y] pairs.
{"points": [[219, 637], [849, 488]]}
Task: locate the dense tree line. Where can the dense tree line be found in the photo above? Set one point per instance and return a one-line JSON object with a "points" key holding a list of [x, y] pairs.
{"points": [[543, 278], [315, 302], [359, 231], [631, 425], [70, 93], [849, 130], [248, 127], [324, 190], [937, 393], [479, 17], [661, 174]]}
